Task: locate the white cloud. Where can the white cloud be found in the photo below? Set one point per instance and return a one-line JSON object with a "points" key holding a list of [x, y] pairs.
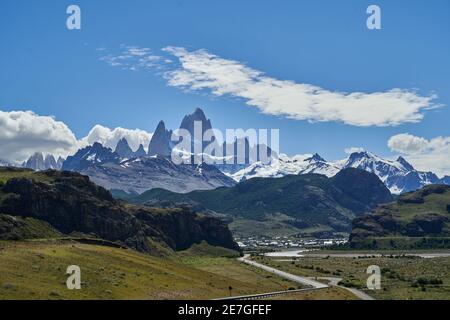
{"points": [[424, 154], [354, 150], [134, 58], [23, 133], [408, 144], [200, 70], [109, 138]]}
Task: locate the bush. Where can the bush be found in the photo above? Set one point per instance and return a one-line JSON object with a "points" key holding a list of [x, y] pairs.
{"points": [[422, 281], [350, 284]]}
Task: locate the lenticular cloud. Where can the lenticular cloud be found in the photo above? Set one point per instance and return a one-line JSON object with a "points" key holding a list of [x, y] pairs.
{"points": [[201, 70]]}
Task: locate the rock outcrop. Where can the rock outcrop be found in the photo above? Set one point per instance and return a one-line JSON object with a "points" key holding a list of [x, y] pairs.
{"points": [[71, 203], [123, 149], [160, 144]]}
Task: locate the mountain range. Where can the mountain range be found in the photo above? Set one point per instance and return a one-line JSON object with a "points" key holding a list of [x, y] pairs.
{"points": [[139, 174], [308, 203], [137, 171], [40, 162], [399, 175]]}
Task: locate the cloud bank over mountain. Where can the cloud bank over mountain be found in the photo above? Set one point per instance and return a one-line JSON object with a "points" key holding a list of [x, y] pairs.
{"points": [[109, 138], [424, 154], [22, 133]]}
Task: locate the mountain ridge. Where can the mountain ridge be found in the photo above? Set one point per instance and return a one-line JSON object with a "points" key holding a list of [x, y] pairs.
{"points": [[139, 174], [311, 200], [399, 175]]}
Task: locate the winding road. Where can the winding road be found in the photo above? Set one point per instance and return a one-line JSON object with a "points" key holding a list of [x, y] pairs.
{"points": [[302, 280], [311, 283]]}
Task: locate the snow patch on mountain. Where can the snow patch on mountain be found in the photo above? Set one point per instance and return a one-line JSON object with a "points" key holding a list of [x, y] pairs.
{"points": [[398, 175], [284, 165]]}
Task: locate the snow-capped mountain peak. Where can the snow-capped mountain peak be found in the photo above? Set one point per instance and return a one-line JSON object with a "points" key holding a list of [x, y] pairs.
{"points": [[406, 165], [398, 175], [315, 158], [370, 162], [89, 156], [284, 165]]}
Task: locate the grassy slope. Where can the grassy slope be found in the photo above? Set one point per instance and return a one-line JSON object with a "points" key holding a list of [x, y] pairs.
{"points": [[434, 203], [333, 293], [8, 173], [27, 228], [398, 274], [36, 270]]}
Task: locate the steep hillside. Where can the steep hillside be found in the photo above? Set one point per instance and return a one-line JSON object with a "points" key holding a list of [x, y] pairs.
{"points": [[309, 200], [68, 203], [417, 219]]}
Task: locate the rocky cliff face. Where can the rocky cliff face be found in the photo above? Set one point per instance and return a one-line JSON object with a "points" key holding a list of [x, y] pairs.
{"points": [[183, 228], [123, 149], [70, 203], [38, 162], [160, 144], [140, 152]]}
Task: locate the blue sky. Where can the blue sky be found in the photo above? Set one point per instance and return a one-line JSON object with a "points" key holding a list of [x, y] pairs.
{"points": [[53, 71]]}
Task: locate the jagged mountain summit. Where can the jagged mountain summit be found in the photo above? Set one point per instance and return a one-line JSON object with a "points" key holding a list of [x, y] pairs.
{"points": [[140, 152], [60, 163], [36, 162], [188, 122], [161, 143], [196, 124], [50, 162], [123, 149], [139, 171], [399, 175], [39, 163], [90, 156], [139, 174]]}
